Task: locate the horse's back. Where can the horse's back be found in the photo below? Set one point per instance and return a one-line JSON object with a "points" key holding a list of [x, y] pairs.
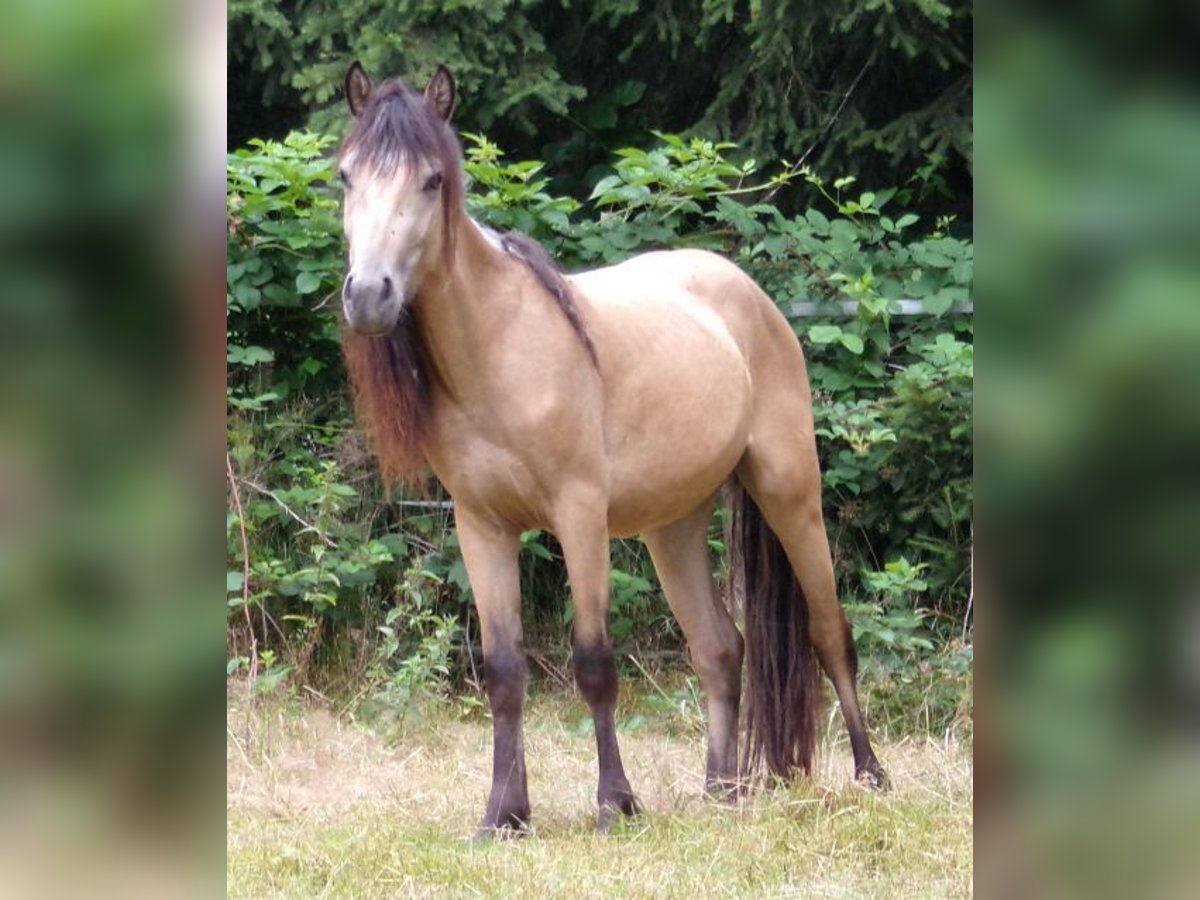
{"points": [[685, 288], [677, 335], [701, 275]]}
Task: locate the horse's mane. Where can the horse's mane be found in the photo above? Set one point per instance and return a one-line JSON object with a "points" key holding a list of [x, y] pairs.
{"points": [[534, 255], [389, 375]]}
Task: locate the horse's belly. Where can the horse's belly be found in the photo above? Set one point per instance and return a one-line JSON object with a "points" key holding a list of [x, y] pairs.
{"points": [[672, 448], [657, 495]]}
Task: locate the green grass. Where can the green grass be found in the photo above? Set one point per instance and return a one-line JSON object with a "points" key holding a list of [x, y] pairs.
{"points": [[320, 806]]}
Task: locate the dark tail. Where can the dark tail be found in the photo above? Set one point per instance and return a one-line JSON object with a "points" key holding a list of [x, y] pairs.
{"points": [[782, 689]]}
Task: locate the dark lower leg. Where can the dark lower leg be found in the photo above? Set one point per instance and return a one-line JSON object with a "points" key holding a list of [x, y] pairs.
{"points": [[596, 675], [867, 767], [842, 670], [721, 680], [680, 554], [720, 773], [508, 803]]}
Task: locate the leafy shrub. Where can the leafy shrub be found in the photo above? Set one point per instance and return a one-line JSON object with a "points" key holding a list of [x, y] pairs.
{"points": [[898, 468], [312, 559], [412, 661], [308, 558], [906, 670], [283, 251], [512, 196]]}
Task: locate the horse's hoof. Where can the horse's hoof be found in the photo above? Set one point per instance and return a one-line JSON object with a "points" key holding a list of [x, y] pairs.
{"points": [[506, 831], [627, 807], [872, 777], [724, 791]]}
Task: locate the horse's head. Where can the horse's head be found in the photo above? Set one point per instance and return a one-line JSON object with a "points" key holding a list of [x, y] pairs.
{"points": [[401, 170]]}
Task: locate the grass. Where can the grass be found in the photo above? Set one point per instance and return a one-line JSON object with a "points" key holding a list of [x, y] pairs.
{"points": [[320, 806]]}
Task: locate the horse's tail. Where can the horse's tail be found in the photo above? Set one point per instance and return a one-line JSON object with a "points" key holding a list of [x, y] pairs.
{"points": [[782, 689]]}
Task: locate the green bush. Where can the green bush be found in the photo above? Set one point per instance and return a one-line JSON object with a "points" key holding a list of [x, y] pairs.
{"points": [[411, 668], [283, 252], [325, 548]]}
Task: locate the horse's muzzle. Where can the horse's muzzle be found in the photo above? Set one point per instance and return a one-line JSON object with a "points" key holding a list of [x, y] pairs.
{"points": [[371, 305]]}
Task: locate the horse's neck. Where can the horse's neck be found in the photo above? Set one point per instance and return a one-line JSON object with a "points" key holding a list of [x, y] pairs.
{"points": [[464, 308]]}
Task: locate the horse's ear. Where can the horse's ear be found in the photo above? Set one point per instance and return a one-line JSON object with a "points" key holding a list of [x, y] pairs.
{"points": [[358, 88], [439, 93]]}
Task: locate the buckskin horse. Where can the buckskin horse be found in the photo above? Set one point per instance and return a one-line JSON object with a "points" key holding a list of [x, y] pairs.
{"points": [[608, 403]]}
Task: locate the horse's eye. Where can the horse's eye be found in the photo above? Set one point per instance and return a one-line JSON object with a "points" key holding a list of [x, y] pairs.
{"points": [[433, 182], [343, 177]]}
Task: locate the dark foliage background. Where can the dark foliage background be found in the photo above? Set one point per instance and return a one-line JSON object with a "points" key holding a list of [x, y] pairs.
{"points": [[880, 90]]}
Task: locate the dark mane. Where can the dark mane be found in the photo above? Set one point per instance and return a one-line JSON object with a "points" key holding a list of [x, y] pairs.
{"points": [[397, 127], [390, 379], [534, 255]]}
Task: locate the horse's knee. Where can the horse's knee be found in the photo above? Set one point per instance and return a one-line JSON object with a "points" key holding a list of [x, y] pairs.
{"points": [[595, 672], [504, 674]]}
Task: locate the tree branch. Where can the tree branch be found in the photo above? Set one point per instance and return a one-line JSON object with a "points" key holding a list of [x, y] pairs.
{"points": [[291, 512], [237, 503]]}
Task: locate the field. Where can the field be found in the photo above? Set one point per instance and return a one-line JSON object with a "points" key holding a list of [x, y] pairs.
{"points": [[321, 806]]}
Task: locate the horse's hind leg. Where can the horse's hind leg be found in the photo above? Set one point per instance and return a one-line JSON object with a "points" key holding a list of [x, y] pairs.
{"points": [[583, 532], [784, 479], [680, 554]]}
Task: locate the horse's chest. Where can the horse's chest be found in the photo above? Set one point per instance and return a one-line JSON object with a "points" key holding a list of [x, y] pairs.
{"points": [[485, 472]]}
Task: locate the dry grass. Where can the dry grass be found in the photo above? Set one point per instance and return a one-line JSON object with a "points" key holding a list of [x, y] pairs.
{"points": [[319, 806]]}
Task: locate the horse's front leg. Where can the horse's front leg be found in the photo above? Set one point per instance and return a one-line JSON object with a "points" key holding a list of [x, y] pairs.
{"points": [[490, 554], [583, 532]]}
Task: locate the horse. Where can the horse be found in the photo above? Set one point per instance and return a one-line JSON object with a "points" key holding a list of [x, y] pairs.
{"points": [[608, 403]]}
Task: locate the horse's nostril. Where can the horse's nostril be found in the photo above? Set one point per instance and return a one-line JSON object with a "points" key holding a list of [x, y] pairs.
{"points": [[348, 288], [387, 288]]}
